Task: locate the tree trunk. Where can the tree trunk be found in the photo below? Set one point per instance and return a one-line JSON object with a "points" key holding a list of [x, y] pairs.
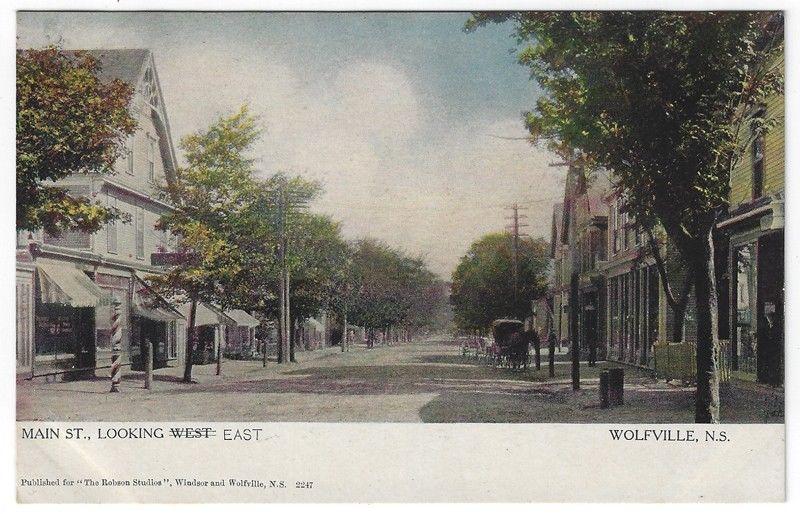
{"points": [[292, 339], [678, 304], [344, 332], [707, 395], [191, 341], [680, 315], [264, 333]]}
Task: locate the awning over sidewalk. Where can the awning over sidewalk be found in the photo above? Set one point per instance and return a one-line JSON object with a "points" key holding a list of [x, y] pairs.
{"points": [[242, 318], [149, 304], [67, 285], [206, 315]]}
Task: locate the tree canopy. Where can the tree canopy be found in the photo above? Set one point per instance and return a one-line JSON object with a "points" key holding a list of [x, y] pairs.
{"points": [[668, 101], [211, 197], [391, 288], [660, 98], [483, 281], [68, 121]]}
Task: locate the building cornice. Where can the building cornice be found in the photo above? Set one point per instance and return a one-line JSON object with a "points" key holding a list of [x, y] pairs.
{"points": [[46, 250], [136, 193]]}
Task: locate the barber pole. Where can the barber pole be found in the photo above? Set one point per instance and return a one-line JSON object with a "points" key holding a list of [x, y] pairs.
{"points": [[116, 346]]}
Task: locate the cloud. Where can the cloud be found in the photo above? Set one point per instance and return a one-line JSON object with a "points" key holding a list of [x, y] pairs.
{"points": [[373, 131]]}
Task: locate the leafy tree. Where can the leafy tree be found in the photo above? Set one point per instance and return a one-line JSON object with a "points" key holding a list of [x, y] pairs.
{"points": [[665, 100], [317, 258], [212, 194], [483, 281], [68, 121], [275, 217], [389, 288]]}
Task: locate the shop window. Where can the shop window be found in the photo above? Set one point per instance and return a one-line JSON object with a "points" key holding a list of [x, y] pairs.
{"points": [[746, 275]]}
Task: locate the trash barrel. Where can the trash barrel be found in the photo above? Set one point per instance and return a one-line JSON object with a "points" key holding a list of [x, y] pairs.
{"points": [[604, 389]]}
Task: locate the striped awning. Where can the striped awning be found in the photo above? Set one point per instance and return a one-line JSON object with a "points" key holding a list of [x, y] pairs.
{"points": [[65, 284], [149, 304]]}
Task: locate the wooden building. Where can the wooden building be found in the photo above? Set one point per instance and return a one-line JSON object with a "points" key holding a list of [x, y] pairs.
{"points": [[65, 282]]}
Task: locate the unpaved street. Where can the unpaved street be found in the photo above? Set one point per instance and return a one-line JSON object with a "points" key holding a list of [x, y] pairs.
{"points": [[422, 382]]}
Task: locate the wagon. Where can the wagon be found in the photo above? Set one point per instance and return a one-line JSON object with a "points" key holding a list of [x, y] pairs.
{"points": [[510, 343]]}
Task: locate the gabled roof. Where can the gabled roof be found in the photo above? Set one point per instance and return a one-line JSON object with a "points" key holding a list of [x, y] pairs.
{"points": [[123, 64], [242, 318], [129, 65]]}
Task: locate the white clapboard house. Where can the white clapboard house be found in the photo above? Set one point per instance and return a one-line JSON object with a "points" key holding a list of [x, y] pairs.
{"points": [[65, 282]]}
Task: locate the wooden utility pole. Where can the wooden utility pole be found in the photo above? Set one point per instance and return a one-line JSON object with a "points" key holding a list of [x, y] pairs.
{"points": [[578, 189], [285, 203], [577, 174], [515, 233], [283, 332], [148, 369]]}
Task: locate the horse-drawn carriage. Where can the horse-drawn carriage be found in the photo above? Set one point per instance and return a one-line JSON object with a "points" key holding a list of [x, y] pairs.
{"points": [[511, 344]]}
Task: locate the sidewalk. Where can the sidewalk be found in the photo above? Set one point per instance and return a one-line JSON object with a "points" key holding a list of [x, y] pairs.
{"points": [[171, 378]]}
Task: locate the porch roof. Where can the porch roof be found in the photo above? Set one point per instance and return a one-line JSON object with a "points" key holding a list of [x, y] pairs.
{"points": [[242, 318]]}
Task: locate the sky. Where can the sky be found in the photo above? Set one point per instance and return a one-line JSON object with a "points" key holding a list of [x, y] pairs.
{"points": [[407, 121]]}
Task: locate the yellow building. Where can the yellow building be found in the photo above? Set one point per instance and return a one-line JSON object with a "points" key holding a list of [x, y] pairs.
{"points": [[754, 231]]}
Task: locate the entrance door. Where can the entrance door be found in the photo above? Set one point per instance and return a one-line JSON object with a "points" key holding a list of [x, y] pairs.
{"points": [[204, 353], [155, 332], [770, 309]]}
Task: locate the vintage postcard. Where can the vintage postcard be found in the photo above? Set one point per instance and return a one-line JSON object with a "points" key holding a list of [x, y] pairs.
{"points": [[393, 256]]}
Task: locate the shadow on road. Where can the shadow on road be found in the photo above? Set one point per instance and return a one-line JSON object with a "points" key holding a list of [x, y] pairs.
{"points": [[378, 380]]}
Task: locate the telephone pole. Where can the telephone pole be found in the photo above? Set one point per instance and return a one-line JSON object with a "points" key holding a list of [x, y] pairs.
{"points": [[286, 201], [515, 233], [283, 283]]}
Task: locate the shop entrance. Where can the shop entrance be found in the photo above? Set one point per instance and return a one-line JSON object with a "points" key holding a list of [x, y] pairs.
{"points": [[769, 328], [205, 352], [155, 332]]}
